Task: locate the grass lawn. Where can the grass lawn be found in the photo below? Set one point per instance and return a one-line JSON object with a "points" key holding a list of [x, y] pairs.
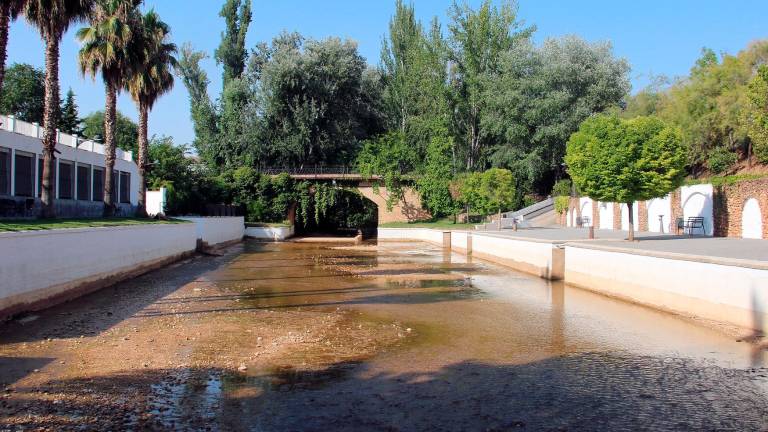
{"points": [[268, 224], [43, 224], [438, 224]]}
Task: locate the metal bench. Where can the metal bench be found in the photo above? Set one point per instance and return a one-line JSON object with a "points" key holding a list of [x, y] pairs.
{"points": [[690, 224]]}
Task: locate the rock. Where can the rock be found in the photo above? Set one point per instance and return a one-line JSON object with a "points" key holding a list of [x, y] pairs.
{"points": [[242, 368]]}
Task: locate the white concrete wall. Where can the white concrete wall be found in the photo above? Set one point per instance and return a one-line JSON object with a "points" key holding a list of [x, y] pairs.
{"points": [[535, 257], [423, 234], [568, 218], [270, 233], [697, 201], [156, 201], [37, 265], [606, 215], [726, 293], [660, 207], [751, 220], [216, 230]]}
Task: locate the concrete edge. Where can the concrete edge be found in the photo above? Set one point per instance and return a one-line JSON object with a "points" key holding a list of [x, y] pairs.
{"points": [[733, 262], [33, 233], [51, 296]]}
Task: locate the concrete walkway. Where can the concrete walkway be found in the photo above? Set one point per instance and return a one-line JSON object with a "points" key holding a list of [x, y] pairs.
{"points": [[701, 246]]}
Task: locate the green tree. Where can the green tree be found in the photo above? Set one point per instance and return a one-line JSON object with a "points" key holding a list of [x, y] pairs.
{"points": [[9, 11], [610, 159], [434, 181], [231, 51], [202, 110], [497, 187], [70, 119], [538, 99], [478, 40], [23, 93], [756, 116], [126, 130], [149, 83], [52, 18], [109, 49]]}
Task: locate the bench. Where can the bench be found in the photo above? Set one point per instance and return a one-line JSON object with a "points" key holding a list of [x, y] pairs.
{"points": [[582, 222], [690, 224]]}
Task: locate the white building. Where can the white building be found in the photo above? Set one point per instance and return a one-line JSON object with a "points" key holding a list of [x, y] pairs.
{"points": [[78, 173]]}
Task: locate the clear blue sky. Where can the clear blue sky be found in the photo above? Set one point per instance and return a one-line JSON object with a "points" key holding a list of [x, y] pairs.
{"points": [[655, 36]]}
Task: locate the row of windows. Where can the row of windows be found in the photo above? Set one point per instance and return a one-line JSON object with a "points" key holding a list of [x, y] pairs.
{"points": [[87, 185]]}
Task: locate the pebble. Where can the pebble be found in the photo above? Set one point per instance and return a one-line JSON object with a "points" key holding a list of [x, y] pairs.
{"points": [[242, 368]]}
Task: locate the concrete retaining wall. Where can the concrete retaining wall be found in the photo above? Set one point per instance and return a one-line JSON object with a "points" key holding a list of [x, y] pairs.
{"points": [[405, 234], [41, 268], [218, 230], [543, 259], [733, 294], [270, 233]]}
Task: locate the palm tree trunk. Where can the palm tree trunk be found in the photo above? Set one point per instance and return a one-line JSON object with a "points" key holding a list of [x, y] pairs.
{"points": [[631, 222], [109, 149], [141, 211], [50, 111], [5, 22]]}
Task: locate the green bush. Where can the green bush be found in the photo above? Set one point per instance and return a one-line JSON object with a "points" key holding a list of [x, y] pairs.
{"points": [[720, 160], [561, 204], [562, 188]]}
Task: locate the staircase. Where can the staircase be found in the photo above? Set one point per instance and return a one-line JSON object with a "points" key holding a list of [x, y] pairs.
{"points": [[539, 214]]}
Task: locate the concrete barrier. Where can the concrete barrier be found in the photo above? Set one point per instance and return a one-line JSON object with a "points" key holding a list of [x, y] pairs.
{"points": [[270, 233], [406, 234], [41, 268], [727, 293], [212, 231], [538, 257]]}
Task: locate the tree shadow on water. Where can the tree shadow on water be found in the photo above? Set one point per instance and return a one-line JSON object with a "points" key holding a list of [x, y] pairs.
{"points": [[585, 391]]}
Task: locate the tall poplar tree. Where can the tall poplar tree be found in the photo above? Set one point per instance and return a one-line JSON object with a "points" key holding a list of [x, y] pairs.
{"points": [[231, 52]]}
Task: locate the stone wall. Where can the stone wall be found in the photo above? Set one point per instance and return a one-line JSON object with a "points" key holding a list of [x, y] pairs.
{"points": [[729, 203], [407, 209]]}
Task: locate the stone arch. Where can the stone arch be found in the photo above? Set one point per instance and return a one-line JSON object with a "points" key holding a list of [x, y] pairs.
{"points": [[751, 220], [625, 216], [698, 204], [605, 210], [659, 207], [586, 210], [408, 209]]}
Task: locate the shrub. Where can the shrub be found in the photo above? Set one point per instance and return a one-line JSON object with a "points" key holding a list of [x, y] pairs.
{"points": [[720, 160]]}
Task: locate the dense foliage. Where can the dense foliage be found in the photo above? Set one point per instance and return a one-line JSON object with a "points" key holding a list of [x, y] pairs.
{"points": [[23, 92], [717, 107], [126, 130]]}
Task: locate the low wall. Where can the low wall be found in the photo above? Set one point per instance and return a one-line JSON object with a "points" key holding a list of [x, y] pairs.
{"points": [[728, 292], [218, 230], [541, 258], [270, 233], [41, 268], [405, 234]]}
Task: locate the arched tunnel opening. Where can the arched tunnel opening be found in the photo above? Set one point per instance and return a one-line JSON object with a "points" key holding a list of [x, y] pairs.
{"points": [[338, 212]]}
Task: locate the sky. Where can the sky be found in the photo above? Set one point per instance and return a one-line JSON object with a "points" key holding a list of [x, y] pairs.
{"points": [[657, 37]]}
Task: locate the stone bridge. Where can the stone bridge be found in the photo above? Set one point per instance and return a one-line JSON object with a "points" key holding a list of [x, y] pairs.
{"points": [[407, 209]]}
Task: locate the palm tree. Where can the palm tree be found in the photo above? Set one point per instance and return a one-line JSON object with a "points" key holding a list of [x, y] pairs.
{"points": [[9, 11], [109, 48], [52, 18], [148, 84]]}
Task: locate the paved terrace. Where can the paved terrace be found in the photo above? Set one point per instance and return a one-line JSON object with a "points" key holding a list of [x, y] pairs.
{"points": [[705, 248]]}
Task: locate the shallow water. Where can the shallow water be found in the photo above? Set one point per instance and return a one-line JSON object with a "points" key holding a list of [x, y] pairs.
{"points": [[487, 349]]}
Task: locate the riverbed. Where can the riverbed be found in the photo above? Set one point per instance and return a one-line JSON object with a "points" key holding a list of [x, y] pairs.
{"points": [[393, 336]]}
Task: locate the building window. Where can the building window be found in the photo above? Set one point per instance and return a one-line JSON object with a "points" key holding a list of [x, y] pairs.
{"points": [[115, 184], [83, 182], [24, 174], [5, 171], [98, 184], [40, 176], [125, 187], [66, 180]]}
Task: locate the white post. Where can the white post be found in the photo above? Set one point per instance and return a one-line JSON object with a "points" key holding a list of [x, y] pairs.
{"points": [[37, 129], [12, 123], [56, 178], [90, 186]]}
